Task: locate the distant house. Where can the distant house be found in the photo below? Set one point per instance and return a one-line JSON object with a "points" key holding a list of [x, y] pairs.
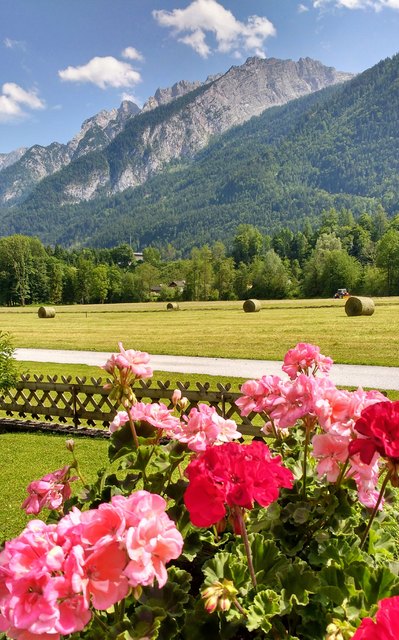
{"points": [[138, 256], [177, 284], [156, 289]]}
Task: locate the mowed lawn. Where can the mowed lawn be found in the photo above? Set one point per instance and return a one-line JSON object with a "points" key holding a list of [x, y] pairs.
{"points": [[216, 329]]}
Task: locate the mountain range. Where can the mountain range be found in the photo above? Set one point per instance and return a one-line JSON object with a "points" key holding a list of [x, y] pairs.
{"points": [[269, 142]]}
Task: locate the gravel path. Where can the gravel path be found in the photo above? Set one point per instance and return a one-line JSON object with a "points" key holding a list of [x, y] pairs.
{"points": [[342, 374]]}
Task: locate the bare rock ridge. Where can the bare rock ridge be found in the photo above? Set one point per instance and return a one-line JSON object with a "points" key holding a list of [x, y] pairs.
{"points": [[21, 170], [175, 123], [7, 159], [232, 99]]}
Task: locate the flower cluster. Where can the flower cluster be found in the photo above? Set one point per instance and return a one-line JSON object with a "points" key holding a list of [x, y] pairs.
{"points": [[316, 400], [305, 358], [101, 570], [51, 575], [125, 367], [50, 492], [233, 474], [202, 427], [378, 427]]}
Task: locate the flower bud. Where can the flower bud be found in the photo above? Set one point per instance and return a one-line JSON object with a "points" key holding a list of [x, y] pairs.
{"points": [[176, 396], [70, 444], [219, 595], [335, 632], [183, 403], [137, 591]]}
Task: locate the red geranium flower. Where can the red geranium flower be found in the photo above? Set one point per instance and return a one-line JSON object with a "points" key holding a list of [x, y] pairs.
{"points": [[386, 625], [379, 426], [233, 474]]}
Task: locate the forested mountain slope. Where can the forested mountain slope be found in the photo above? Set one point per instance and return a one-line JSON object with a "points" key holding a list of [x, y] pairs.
{"points": [[337, 147]]}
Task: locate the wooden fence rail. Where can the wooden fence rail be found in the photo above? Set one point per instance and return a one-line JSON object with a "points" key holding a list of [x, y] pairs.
{"points": [[81, 402]]}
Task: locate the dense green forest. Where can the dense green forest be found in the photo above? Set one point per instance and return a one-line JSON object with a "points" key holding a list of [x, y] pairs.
{"points": [[361, 254], [337, 148]]}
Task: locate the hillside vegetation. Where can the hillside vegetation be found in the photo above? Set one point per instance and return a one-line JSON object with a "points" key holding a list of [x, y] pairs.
{"points": [[335, 148]]}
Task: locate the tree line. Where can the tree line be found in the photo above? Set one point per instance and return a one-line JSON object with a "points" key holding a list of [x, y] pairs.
{"points": [[360, 254]]}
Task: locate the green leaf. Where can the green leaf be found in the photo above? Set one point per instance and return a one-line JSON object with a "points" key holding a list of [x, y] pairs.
{"points": [[265, 605], [173, 595], [227, 565], [373, 583], [333, 587], [298, 582], [269, 563], [145, 623]]}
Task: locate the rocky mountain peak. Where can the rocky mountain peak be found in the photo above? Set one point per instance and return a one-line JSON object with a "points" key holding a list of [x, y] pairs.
{"points": [[214, 106], [7, 159], [164, 96]]}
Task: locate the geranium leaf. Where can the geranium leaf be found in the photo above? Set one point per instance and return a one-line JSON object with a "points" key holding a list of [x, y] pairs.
{"points": [[171, 598], [145, 623], [373, 583], [267, 560], [225, 565], [298, 582], [265, 605]]}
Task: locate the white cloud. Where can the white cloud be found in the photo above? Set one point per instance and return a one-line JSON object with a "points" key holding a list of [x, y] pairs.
{"points": [[130, 98], [14, 99], [132, 54], [203, 17], [302, 8], [9, 43], [104, 72], [377, 5]]}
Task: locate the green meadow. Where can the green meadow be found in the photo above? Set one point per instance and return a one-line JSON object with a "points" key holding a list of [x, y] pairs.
{"points": [[215, 329]]}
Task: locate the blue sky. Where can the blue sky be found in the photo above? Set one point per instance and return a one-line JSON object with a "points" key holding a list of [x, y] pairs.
{"points": [[62, 61]]}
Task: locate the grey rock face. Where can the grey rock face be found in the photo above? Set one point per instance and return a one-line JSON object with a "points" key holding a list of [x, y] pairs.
{"points": [[164, 96], [229, 100], [23, 169], [199, 111], [7, 159]]}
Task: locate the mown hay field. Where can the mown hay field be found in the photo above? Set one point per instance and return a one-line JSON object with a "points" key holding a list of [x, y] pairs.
{"points": [[215, 329]]}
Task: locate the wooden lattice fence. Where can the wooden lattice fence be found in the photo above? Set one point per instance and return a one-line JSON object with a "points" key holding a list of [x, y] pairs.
{"points": [[81, 402]]}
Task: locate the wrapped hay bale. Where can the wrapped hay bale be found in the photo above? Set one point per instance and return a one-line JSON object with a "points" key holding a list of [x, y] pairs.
{"points": [[251, 305], [172, 306], [46, 312], [356, 306]]}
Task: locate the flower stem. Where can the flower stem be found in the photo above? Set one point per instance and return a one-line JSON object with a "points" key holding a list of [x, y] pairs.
{"points": [[240, 608], [305, 459], [134, 432], [100, 622], [244, 534], [375, 509], [342, 473]]}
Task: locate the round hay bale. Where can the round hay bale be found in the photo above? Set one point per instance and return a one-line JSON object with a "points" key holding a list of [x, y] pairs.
{"points": [[46, 312], [356, 306], [172, 306], [251, 305]]}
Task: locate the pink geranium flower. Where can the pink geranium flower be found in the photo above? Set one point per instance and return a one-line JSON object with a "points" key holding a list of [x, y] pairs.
{"points": [[331, 450], [305, 358], [155, 414], [129, 360], [296, 401], [49, 492], [204, 427], [259, 395], [51, 574]]}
